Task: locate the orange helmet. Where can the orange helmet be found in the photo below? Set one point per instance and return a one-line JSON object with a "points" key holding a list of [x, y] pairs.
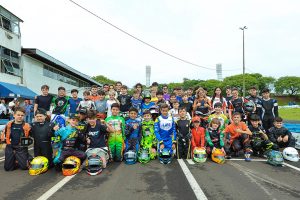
{"points": [[218, 156], [71, 166]]}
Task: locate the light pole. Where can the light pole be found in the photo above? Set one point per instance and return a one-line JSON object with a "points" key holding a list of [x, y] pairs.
{"points": [[244, 87]]}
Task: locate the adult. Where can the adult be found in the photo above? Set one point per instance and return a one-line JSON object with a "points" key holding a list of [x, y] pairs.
{"points": [[44, 100], [139, 87], [218, 98], [3, 109], [28, 111], [269, 108], [74, 101]]}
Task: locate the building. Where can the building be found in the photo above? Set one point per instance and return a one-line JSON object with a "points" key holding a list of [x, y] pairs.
{"points": [[24, 70]]}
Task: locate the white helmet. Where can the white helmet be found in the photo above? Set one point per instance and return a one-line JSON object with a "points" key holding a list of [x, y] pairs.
{"points": [[290, 154]]}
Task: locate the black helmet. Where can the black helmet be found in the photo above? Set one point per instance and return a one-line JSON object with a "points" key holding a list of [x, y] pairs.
{"points": [[249, 106]]}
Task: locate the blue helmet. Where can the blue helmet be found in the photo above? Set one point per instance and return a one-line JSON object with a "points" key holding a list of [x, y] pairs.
{"points": [[275, 158], [130, 157], [59, 120], [165, 156]]}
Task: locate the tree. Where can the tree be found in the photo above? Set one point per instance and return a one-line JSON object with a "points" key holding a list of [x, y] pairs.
{"points": [[288, 84], [210, 85], [102, 79]]}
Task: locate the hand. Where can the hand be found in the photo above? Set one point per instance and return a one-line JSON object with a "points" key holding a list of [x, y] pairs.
{"points": [[173, 146], [56, 127], [135, 126], [109, 127], [162, 146], [88, 140], [238, 130], [285, 138], [279, 139], [213, 149], [198, 104], [222, 149], [206, 105]]}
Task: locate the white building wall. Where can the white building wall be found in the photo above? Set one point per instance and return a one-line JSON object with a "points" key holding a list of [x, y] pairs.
{"points": [[34, 78], [13, 44], [7, 78]]}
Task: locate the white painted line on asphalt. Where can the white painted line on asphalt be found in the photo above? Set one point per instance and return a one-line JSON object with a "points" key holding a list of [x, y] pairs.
{"points": [[241, 159], [3, 157], [291, 166], [190, 161], [55, 188], [193, 183]]}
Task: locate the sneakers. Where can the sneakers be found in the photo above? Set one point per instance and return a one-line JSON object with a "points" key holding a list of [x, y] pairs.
{"points": [[247, 157]]}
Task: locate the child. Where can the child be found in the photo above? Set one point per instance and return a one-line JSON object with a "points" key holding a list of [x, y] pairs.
{"points": [[125, 100], [183, 133], [219, 115], [96, 133], [116, 137], [160, 98], [236, 104], [185, 103], [111, 101], [165, 130], [86, 103], [136, 101], [172, 100], [133, 131], [239, 137], [146, 105], [81, 127], [94, 93], [280, 135], [174, 112], [60, 102], [198, 134], [69, 142], [101, 105], [154, 98], [214, 136], [259, 140], [42, 131], [148, 137], [13, 132], [74, 101]]}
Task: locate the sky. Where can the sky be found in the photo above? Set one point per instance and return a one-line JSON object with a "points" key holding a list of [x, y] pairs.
{"points": [[201, 32]]}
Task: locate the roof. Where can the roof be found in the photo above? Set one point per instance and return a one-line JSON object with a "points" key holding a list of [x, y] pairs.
{"points": [[42, 56], [8, 90], [1, 7]]}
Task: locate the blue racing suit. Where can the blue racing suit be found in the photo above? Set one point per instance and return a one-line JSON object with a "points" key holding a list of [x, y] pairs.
{"points": [[165, 131], [133, 136]]}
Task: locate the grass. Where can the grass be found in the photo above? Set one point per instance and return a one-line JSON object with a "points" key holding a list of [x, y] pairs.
{"points": [[290, 113]]}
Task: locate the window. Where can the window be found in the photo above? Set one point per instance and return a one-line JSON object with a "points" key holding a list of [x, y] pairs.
{"points": [[6, 24], [9, 62], [8, 66]]}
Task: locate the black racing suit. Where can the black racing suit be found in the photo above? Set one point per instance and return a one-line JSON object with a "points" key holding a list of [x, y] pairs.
{"points": [[269, 110], [42, 133], [184, 136], [236, 105], [82, 127], [275, 133]]}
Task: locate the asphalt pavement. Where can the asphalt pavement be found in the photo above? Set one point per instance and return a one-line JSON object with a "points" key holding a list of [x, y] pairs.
{"points": [[236, 179]]}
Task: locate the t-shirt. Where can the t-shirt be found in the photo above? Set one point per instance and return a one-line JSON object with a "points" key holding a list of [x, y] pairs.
{"points": [[125, 102], [44, 101], [60, 105], [74, 104], [231, 129], [97, 135], [16, 133]]}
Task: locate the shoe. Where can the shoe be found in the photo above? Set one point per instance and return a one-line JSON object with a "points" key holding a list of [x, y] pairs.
{"points": [[228, 157], [247, 157]]}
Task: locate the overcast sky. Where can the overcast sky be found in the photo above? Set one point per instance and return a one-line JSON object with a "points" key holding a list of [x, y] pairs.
{"points": [[202, 32]]}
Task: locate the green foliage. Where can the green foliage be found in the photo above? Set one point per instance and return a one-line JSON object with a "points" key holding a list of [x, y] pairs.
{"points": [[102, 79], [289, 113], [288, 84]]}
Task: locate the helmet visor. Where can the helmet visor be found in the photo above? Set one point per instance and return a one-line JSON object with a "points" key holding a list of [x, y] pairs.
{"points": [[200, 155], [37, 166]]}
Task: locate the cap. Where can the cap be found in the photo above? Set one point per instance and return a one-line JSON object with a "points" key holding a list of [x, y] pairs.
{"points": [[196, 119], [73, 116]]}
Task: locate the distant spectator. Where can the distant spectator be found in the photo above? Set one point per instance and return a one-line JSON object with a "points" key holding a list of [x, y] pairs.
{"points": [[3, 109], [28, 111]]}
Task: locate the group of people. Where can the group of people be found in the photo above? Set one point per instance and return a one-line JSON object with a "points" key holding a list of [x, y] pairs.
{"points": [[110, 125]]}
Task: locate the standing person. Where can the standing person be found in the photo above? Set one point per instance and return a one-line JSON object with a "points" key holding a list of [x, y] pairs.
{"points": [[236, 104], [118, 87], [191, 97], [202, 107], [101, 105], [136, 101], [160, 98], [146, 105], [87, 103], [117, 136], [60, 102], [198, 134], [133, 131], [228, 96], [154, 98], [166, 93], [3, 109], [139, 87], [218, 97], [81, 128], [13, 132], [42, 131], [94, 93], [174, 112], [112, 99], [74, 101], [183, 134], [44, 100], [172, 100], [255, 99], [186, 104], [179, 93], [28, 111], [125, 101], [269, 109]]}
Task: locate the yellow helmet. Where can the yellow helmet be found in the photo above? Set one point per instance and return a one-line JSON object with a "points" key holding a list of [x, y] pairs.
{"points": [[71, 166], [218, 156], [38, 165]]}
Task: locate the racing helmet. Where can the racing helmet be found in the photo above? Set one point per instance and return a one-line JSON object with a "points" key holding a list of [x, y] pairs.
{"points": [[130, 157], [275, 158], [218, 156], [154, 110], [199, 155], [147, 95], [71, 166], [93, 163], [290, 154], [144, 155], [249, 106], [38, 165], [165, 156]]}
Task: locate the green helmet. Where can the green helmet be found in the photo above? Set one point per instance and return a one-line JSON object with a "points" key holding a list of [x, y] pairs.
{"points": [[199, 155], [275, 158], [147, 95], [144, 155]]}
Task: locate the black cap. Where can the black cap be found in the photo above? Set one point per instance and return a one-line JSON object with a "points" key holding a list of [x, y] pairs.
{"points": [[83, 111], [73, 116], [41, 111]]}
